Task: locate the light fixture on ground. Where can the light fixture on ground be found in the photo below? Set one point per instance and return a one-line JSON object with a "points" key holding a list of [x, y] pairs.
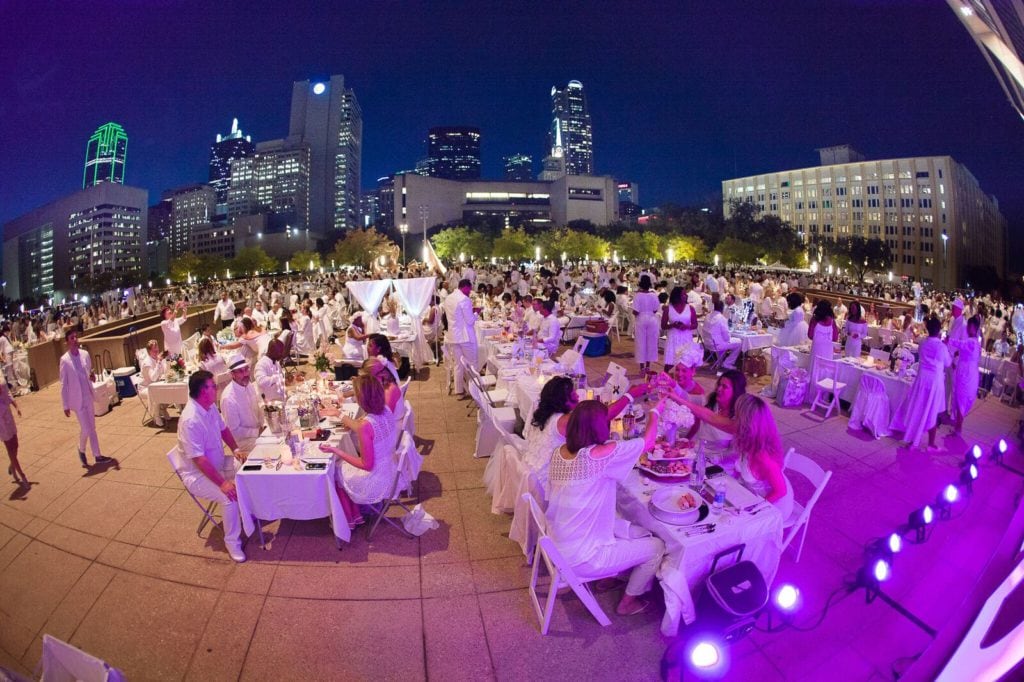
{"points": [[998, 450], [787, 598], [919, 520], [945, 500], [968, 474]]}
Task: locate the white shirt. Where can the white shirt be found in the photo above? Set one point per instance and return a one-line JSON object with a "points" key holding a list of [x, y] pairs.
{"points": [[242, 413], [76, 389], [260, 318], [711, 284], [461, 318], [199, 434], [550, 333], [152, 369], [225, 310], [270, 379], [172, 335], [717, 328]]}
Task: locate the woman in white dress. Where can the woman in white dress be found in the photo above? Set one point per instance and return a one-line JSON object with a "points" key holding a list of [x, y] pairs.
{"points": [[926, 399], [209, 359], [304, 343], [760, 463], [965, 376], [377, 367], [678, 319], [365, 477], [717, 419], [794, 330], [583, 476], [355, 337], [645, 309], [822, 332], [9, 434], [856, 330]]}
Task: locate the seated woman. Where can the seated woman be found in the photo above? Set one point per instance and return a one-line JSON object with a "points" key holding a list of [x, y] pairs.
{"points": [[153, 367], [303, 328], [583, 475], [247, 342], [717, 420], [209, 359], [365, 477], [546, 431], [759, 448], [794, 330], [682, 382], [377, 345], [377, 367], [355, 336]]}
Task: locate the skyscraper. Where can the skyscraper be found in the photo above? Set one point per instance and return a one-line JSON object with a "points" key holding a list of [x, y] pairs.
{"points": [[518, 167], [105, 155], [275, 179], [192, 208], [454, 153], [327, 117], [571, 119], [231, 146]]}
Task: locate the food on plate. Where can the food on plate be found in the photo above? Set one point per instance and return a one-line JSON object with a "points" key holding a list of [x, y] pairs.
{"points": [[687, 501], [665, 467]]}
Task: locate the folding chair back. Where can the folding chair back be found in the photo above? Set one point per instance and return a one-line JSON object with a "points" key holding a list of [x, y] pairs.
{"points": [[581, 344], [142, 394], [801, 517], [177, 464], [61, 661], [394, 496], [878, 354]]}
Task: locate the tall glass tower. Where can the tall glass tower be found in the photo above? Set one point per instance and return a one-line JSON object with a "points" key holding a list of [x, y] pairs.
{"points": [[234, 145], [571, 119], [454, 153], [105, 155]]}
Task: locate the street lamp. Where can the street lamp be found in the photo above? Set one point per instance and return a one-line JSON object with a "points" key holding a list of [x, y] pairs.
{"points": [[424, 214], [404, 229], [945, 240]]}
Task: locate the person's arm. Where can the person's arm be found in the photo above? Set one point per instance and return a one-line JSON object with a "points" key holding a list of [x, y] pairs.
{"points": [[616, 408], [665, 324], [232, 444], [206, 466], [835, 331], [719, 421], [775, 479], [363, 460], [810, 328]]}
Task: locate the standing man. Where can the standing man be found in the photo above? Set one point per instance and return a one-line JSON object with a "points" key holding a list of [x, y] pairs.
{"points": [[204, 469], [76, 395], [270, 379], [458, 308], [240, 404], [225, 311]]}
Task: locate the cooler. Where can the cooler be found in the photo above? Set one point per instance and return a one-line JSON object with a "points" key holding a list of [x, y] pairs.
{"points": [[123, 382]]}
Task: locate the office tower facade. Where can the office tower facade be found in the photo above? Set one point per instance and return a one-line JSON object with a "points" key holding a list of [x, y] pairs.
{"points": [[997, 27], [518, 167], [930, 210], [105, 155], [327, 118], [386, 202], [96, 231], [368, 209], [453, 153], [192, 207], [571, 123], [159, 221], [275, 179], [234, 145]]}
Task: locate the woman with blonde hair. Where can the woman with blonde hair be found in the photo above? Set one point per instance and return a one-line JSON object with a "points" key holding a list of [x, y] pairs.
{"points": [[377, 367], [759, 448], [365, 477]]}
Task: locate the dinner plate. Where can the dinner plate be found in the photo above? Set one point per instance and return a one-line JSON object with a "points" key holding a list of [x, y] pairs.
{"points": [[702, 513], [663, 476]]}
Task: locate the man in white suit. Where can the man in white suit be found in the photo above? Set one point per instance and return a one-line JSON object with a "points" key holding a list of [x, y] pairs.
{"points": [[458, 308], [76, 395], [240, 405]]}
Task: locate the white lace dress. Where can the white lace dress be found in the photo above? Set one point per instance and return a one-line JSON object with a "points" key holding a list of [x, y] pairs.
{"points": [[678, 339], [540, 443], [365, 487]]}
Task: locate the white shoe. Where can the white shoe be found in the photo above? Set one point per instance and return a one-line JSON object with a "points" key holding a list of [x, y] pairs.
{"points": [[236, 554]]}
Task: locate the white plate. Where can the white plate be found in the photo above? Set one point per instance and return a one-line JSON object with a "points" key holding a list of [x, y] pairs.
{"points": [[664, 501]]}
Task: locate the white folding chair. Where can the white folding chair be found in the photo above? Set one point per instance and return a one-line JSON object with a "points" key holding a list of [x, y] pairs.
{"points": [[711, 351], [504, 471], [800, 519], [871, 407], [828, 386], [136, 380], [878, 354], [561, 574], [488, 419], [572, 361], [61, 662], [174, 458], [581, 344], [394, 496], [886, 336]]}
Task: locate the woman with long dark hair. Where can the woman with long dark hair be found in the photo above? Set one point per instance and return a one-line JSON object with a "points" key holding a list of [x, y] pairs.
{"points": [[718, 418]]}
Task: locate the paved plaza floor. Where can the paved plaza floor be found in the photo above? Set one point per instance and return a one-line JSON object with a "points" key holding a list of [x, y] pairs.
{"points": [[109, 560]]}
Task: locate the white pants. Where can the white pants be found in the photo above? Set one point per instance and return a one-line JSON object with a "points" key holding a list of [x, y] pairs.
{"points": [[731, 351], [204, 489], [643, 555], [87, 430], [463, 352]]}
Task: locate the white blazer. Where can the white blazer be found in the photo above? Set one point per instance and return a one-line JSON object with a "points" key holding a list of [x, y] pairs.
{"points": [[72, 396]]}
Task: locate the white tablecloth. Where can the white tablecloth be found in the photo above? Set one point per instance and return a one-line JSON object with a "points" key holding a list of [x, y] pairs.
{"points": [[850, 372], [166, 393], [751, 340], [290, 493], [688, 560]]}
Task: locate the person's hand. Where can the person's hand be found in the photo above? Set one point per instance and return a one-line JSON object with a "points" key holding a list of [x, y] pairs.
{"points": [[639, 390], [67, 413], [324, 447], [241, 455], [228, 488]]}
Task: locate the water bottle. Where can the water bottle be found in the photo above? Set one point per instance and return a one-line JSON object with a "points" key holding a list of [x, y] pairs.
{"points": [[701, 465], [719, 504]]}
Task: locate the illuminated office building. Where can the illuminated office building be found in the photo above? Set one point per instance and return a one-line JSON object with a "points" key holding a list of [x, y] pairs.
{"points": [[571, 123], [518, 167], [192, 208], [453, 153], [105, 155], [234, 145]]}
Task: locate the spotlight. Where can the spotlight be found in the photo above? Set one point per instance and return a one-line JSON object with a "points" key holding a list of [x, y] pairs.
{"points": [[705, 655], [875, 571], [946, 499], [999, 449], [975, 452], [787, 598], [968, 474], [881, 570], [919, 520], [895, 543]]}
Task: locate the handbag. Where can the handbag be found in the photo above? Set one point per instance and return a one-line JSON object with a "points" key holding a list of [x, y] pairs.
{"points": [[755, 364]]}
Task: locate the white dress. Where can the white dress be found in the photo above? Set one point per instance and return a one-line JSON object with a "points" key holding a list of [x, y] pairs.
{"points": [[926, 399], [540, 443], [366, 487], [648, 326], [821, 345], [854, 345], [794, 331], [304, 344], [353, 351], [965, 376], [784, 504], [678, 339]]}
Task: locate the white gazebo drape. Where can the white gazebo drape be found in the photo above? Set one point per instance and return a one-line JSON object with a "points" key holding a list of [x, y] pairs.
{"points": [[415, 295], [369, 293]]}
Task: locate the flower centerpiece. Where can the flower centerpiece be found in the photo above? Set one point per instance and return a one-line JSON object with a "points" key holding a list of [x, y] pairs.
{"points": [[674, 419], [176, 370], [322, 363], [226, 335], [902, 359]]}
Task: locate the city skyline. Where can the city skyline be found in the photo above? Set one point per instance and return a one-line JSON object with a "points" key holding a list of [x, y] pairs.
{"points": [[678, 110]]}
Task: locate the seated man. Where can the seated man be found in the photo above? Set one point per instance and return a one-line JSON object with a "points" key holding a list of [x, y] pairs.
{"points": [[204, 469], [549, 333], [240, 405], [716, 328], [270, 380]]}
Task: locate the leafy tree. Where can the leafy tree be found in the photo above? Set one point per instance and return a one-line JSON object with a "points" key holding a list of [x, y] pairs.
{"points": [[252, 259], [514, 244], [300, 260], [363, 247], [685, 248], [860, 255], [733, 250], [449, 243], [575, 244], [636, 245], [184, 265]]}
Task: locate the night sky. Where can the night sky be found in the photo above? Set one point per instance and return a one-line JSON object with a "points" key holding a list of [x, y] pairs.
{"points": [[682, 95]]}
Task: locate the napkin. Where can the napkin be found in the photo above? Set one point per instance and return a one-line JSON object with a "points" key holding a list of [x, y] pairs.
{"points": [[418, 521], [737, 495], [625, 530]]}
